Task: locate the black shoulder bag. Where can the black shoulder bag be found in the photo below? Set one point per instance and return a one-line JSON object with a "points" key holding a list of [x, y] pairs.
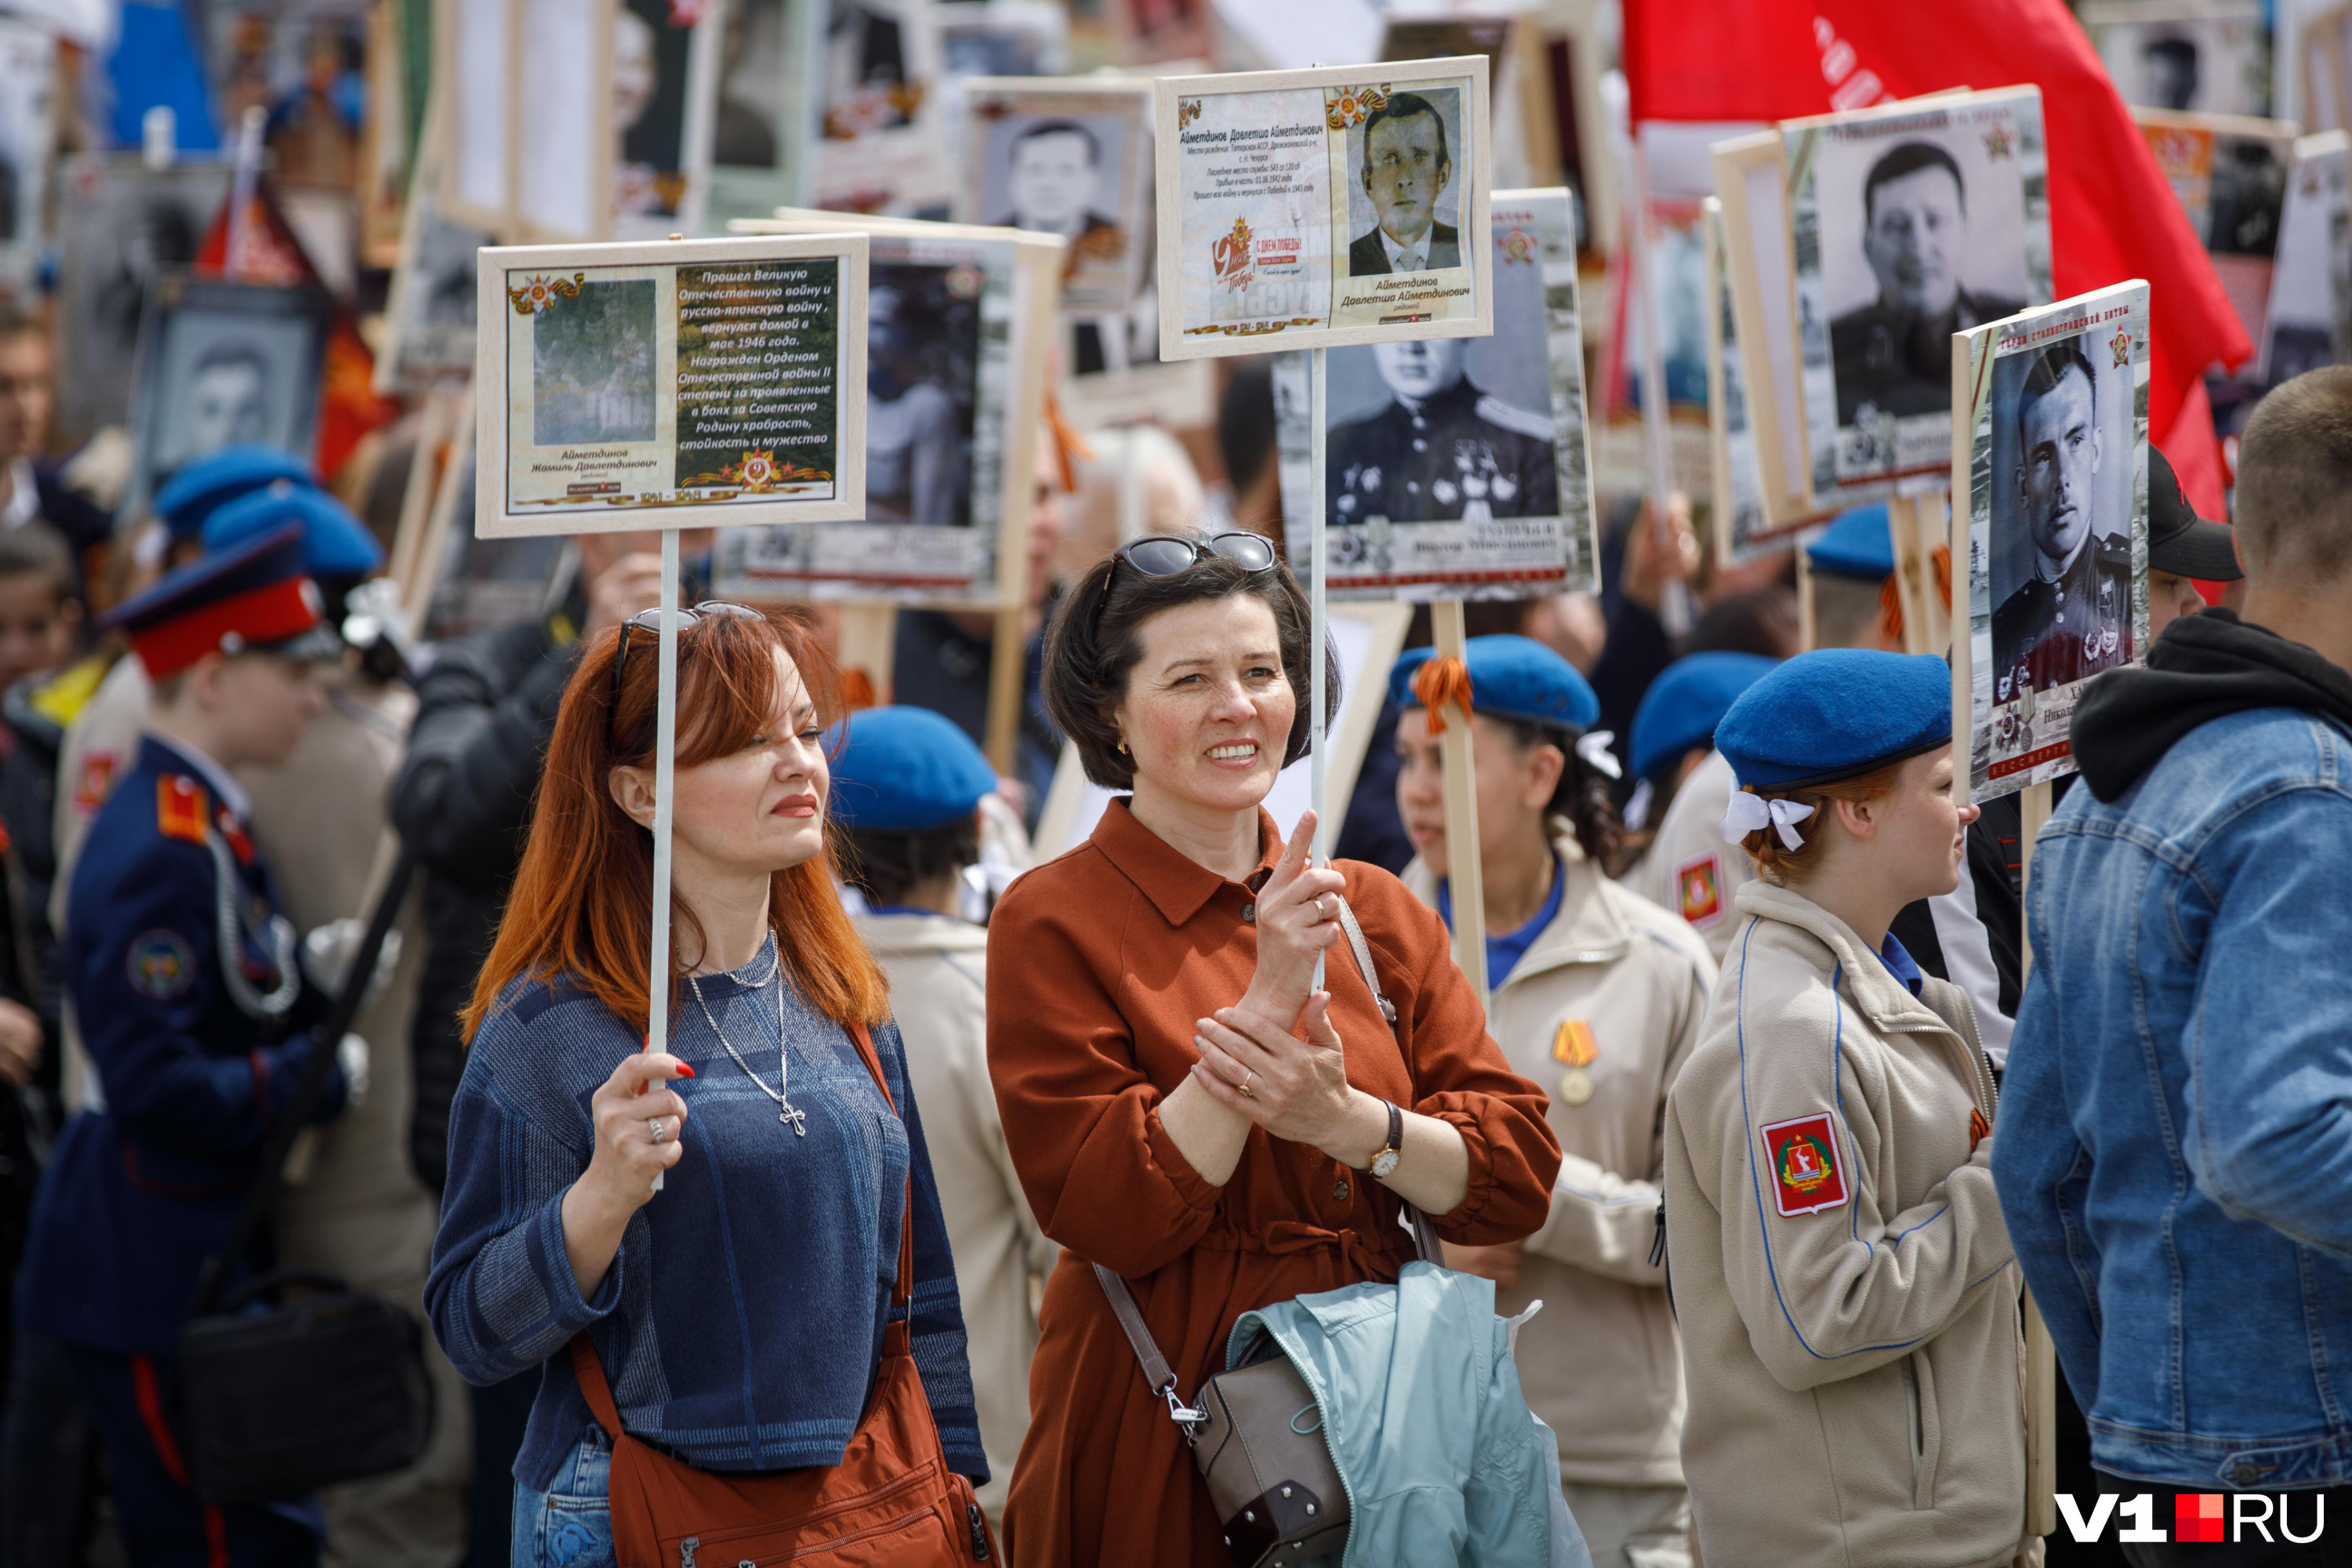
{"points": [[293, 1381]]}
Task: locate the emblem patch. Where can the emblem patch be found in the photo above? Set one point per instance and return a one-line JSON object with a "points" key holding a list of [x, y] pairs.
{"points": [[95, 783], [161, 964], [1808, 1171], [1698, 890]]}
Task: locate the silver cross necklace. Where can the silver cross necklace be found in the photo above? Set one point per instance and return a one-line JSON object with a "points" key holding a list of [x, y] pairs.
{"points": [[786, 1112]]}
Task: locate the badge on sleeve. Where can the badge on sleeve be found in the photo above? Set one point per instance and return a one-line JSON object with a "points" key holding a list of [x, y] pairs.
{"points": [[1698, 887], [1808, 1175], [162, 964]]}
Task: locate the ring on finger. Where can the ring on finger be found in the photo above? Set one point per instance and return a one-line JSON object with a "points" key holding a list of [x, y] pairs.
{"points": [[1247, 1078], [658, 1128]]}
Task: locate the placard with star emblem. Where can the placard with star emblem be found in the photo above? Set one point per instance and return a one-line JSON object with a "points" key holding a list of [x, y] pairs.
{"points": [[670, 385], [2050, 488]]}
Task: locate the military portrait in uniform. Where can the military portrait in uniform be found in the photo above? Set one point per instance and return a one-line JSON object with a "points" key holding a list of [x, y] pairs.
{"points": [[1411, 204], [1440, 447], [1071, 160], [2062, 522], [1894, 353]]}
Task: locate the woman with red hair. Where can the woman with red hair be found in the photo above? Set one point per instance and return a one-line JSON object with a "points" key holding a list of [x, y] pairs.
{"points": [[755, 1315]]}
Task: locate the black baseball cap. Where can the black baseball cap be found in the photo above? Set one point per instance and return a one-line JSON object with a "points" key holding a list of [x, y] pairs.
{"points": [[2179, 540]]}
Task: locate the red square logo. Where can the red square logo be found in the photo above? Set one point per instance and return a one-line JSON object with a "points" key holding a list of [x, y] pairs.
{"points": [[2197, 1516], [1807, 1170], [1698, 887]]}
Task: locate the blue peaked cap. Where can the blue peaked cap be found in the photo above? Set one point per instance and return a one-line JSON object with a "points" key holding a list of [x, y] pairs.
{"points": [[335, 542], [1511, 678], [1685, 703], [1858, 545], [1835, 713], [203, 486], [904, 770]]}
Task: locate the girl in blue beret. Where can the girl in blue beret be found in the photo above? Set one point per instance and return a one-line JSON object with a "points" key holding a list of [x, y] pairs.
{"points": [[1848, 1301], [1597, 994]]}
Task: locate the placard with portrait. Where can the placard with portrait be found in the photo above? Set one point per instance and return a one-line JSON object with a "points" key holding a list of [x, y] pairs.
{"points": [[2309, 322], [1458, 469], [1068, 156], [2203, 56], [1909, 223], [880, 143], [2230, 174], [2050, 472], [1316, 208]]}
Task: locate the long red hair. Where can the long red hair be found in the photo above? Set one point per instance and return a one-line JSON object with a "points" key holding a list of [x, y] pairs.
{"points": [[582, 898]]}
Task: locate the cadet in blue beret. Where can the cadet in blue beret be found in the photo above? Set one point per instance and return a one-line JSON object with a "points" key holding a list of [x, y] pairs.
{"points": [[1679, 712], [909, 786], [1595, 993], [183, 976], [338, 551], [1684, 784], [1830, 1210], [1852, 561]]}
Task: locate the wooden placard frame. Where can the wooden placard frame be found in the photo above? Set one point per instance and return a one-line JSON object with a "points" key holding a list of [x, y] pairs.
{"points": [[1176, 343], [448, 113], [1748, 168], [524, 108], [492, 517], [1037, 259], [1070, 96]]}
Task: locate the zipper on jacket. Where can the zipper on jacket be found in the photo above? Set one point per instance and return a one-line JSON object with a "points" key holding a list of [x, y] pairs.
{"points": [[1911, 1423]]}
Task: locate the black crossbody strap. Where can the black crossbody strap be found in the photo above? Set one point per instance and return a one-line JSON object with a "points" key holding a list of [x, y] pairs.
{"points": [[270, 1173]]}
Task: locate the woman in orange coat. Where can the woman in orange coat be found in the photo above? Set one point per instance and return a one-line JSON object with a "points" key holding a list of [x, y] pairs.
{"points": [[1147, 994]]}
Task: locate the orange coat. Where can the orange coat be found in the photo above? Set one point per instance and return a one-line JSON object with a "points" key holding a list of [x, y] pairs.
{"points": [[1098, 964]]}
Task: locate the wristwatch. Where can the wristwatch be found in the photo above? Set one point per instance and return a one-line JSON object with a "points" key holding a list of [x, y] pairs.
{"points": [[1390, 1152]]}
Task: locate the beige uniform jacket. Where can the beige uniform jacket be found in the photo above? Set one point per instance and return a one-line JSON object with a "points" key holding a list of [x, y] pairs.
{"points": [[1600, 1362], [1849, 1304], [937, 966], [1688, 870]]}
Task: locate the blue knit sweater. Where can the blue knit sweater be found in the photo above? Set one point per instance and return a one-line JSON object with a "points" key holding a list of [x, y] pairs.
{"points": [[741, 1323]]}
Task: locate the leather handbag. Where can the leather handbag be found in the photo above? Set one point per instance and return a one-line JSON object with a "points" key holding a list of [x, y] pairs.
{"points": [[282, 1392], [1256, 1431], [892, 1503]]}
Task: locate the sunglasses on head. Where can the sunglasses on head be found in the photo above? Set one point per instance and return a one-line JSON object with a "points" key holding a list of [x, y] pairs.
{"points": [[649, 622], [1170, 555]]}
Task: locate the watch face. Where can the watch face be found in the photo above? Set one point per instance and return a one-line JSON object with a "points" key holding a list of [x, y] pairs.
{"points": [[1384, 1162]]}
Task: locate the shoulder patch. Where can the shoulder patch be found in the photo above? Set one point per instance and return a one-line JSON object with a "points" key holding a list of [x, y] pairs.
{"points": [[93, 784], [1808, 1171], [179, 806], [1494, 411], [161, 964], [1698, 891]]}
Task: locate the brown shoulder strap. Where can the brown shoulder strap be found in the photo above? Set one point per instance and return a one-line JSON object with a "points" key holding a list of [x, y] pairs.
{"points": [[592, 1386], [904, 1291]]}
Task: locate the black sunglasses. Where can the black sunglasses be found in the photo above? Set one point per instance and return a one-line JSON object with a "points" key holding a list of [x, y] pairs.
{"points": [[649, 622], [1170, 555]]}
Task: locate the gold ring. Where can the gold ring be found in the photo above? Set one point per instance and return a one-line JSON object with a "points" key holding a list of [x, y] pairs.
{"points": [[1244, 1084]]}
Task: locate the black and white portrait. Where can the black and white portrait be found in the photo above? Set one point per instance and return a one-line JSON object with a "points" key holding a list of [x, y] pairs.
{"points": [[1921, 237], [2247, 194], [27, 69], [1405, 209], [922, 367], [651, 52], [748, 130], [1434, 441], [592, 365], [1021, 38], [2208, 57], [221, 364], [2062, 495], [429, 318], [1072, 166]]}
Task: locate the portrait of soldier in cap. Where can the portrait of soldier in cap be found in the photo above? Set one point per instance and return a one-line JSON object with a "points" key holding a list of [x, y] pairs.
{"points": [[1895, 355], [2072, 616], [1440, 449], [1408, 167]]}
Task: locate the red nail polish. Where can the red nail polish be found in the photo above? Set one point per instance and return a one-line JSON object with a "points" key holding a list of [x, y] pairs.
{"points": [[684, 1070]]}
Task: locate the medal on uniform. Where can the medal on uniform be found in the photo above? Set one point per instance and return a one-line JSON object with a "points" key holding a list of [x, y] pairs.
{"points": [[1574, 1047]]}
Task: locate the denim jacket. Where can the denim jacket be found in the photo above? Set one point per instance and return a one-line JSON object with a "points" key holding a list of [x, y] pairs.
{"points": [[2174, 1154]]}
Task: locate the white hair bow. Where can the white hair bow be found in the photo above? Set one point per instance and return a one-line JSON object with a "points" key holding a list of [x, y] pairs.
{"points": [[1593, 747], [1750, 814]]}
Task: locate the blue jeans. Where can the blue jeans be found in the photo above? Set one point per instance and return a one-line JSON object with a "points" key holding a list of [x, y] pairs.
{"points": [[570, 1525]]}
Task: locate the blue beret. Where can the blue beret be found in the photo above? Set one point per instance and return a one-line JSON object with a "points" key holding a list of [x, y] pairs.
{"points": [[335, 542], [904, 770], [1685, 703], [1858, 545], [1511, 678], [214, 480], [1834, 713]]}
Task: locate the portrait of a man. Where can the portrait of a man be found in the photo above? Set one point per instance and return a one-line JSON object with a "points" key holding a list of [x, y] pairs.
{"points": [[1441, 449], [1053, 179], [1408, 168], [2072, 616], [2168, 72], [226, 402], [1895, 355]]}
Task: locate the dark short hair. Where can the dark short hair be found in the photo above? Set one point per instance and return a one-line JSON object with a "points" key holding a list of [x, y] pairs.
{"points": [[1061, 128], [2049, 368], [2293, 495], [1404, 106], [221, 354], [1910, 158], [1581, 795], [2179, 50], [35, 549], [1097, 640], [887, 867]]}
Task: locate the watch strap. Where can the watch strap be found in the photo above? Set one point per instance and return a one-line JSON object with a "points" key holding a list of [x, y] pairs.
{"points": [[1396, 1130]]}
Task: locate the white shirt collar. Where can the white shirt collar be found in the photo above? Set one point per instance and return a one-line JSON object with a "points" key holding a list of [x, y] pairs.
{"points": [[1414, 258], [24, 502], [224, 784]]}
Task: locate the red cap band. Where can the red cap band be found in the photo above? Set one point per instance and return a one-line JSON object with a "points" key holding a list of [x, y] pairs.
{"points": [[276, 613]]}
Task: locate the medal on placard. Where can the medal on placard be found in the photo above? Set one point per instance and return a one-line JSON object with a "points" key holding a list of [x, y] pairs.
{"points": [[1574, 1046]]}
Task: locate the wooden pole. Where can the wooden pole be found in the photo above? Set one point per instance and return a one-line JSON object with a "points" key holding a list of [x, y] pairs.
{"points": [[1464, 878], [1807, 625], [1007, 681], [665, 776], [869, 636], [416, 498]]}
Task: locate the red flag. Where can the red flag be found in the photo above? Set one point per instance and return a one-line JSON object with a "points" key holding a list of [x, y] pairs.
{"points": [[2112, 215]]}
